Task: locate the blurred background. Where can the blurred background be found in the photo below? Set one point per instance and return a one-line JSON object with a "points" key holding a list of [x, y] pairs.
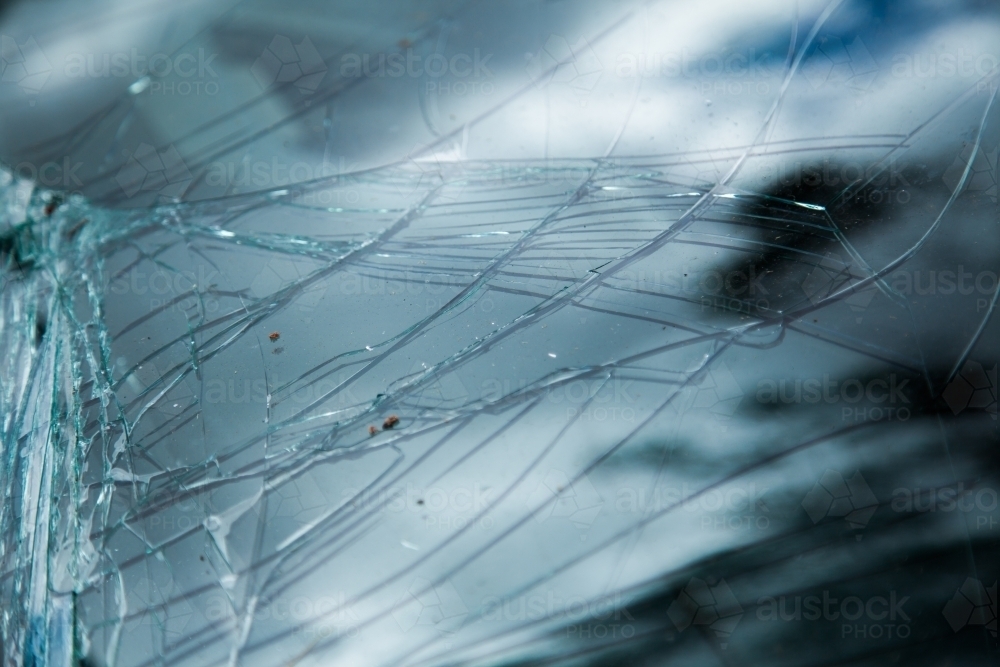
{"points": [[452, 332]]}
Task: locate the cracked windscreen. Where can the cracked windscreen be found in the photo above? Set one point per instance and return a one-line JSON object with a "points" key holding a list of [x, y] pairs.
{"points": [[499, 333]]}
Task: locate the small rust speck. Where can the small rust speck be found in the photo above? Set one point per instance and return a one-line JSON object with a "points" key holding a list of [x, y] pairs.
{"points": [[372, 430], [390, 421], [274, 335]]}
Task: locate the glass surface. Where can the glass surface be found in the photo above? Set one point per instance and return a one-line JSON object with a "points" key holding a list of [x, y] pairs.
{"points": [[499, 333]]}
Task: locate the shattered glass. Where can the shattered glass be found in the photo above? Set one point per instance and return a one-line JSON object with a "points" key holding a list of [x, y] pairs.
{"points": [[499, 333]]}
